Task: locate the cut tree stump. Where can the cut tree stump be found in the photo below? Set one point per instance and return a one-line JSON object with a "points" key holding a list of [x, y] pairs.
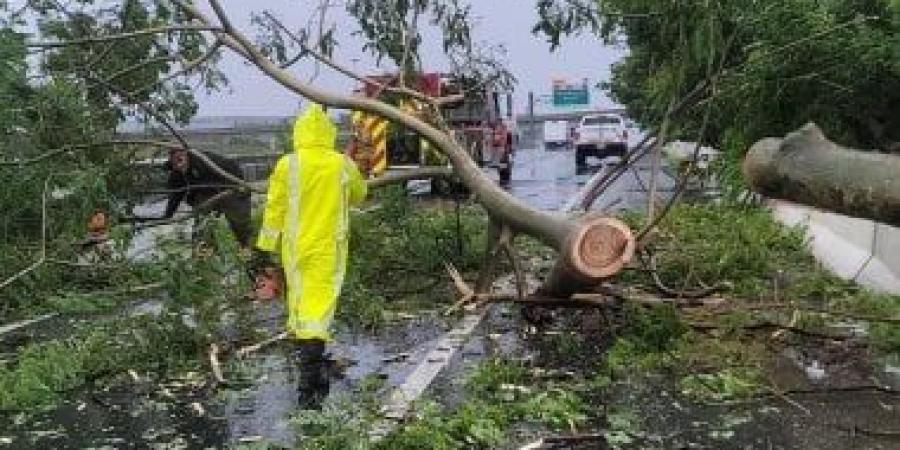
{"points": [[805, 167], [595, 249]]}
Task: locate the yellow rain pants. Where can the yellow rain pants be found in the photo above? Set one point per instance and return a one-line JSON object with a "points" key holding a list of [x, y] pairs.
{"points": [[307, 212]]}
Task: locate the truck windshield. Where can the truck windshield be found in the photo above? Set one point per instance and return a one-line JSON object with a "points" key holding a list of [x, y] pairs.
{"points": [[601, 120]]}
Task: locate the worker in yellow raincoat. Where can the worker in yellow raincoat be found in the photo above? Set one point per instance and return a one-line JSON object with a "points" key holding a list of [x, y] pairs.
{"points": [[306, 220]]}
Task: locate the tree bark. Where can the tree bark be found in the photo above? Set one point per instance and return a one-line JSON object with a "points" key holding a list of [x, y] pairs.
{"points": [[805, 167]]}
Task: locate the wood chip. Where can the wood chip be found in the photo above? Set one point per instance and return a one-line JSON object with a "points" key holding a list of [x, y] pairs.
{"points": [[198, 409], [134, 376]]}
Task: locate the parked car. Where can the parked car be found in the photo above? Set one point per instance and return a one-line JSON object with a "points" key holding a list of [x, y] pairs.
{"points": [[600, 135], [556, 134]]}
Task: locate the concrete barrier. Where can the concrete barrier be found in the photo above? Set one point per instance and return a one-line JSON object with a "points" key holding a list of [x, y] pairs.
{"points": [[860, 250]]}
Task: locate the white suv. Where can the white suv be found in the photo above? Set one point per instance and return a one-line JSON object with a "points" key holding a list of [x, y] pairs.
{"points": [[600, 135]]}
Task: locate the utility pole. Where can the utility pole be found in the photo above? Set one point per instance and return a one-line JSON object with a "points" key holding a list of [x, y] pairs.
{"points": [[531, 131]]}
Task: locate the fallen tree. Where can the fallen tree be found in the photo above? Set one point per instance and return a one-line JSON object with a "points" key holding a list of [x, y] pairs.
{"points": [[591, 248], [806, 167]]}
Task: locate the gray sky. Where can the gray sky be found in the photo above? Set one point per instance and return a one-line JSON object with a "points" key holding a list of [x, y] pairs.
{"points": [[506, 22]]}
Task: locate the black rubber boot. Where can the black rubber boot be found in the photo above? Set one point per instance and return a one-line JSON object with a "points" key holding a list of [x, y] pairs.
{"points": [[313, 386]]}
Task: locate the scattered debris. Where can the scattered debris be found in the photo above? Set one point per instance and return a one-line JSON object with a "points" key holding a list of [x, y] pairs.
{"points": [[244, 351], [214, 363], [198, 409]]}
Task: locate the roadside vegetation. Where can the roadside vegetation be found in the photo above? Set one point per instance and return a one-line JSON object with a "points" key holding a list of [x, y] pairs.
{"points": [[502, 402], [192, 295], [769, 281], [408, 242], [745, 73]]}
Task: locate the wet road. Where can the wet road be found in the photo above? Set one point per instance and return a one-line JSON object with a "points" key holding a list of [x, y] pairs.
{"points": [[262, 407], [549, 180]]}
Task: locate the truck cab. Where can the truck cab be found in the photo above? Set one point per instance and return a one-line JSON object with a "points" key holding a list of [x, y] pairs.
{"points": [[600, 135]]}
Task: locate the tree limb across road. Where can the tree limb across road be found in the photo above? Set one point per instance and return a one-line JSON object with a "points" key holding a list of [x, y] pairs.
{"points": [[805, 167]]}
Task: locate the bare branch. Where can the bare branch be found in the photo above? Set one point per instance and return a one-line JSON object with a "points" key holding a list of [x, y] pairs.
{"points": [[244, 351], [683, 294], [712, 78], [400, 176], [323, 11], [121, 36], [655, 161], [214, 363], [349, 73], [43, 156], [171, 129], [409, 33], [138, 66], [73, 147]]}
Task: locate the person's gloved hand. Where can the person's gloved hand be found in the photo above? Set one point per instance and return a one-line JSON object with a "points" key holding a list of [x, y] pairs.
{"points": [[267, 279]]}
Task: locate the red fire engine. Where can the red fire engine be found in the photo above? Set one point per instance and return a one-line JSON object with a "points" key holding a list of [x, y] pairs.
{"points": [[476, 121]]}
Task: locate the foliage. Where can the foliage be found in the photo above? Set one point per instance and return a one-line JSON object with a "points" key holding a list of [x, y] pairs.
{"points": [[497, 401], [66, 103], [748, 252], [390, 28], [198, 289], [786, 63], [727, 383], [647, 341], [623, 425], [763, 261], [45, 371], [106, 70], [745, 247], [408, 243]]}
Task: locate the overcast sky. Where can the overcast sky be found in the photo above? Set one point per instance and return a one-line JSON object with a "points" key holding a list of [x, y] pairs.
{"points": [[506, 22]]}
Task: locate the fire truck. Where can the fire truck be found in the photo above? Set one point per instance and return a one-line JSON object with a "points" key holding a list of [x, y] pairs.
{"points": [[476, 121]]}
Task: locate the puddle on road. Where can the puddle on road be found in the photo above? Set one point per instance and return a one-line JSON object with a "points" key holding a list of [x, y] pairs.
{"points": [[548, 180], [262, 410]]}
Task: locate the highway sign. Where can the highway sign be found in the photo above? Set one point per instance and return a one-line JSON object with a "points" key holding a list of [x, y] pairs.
{"points": [[571, 97]]}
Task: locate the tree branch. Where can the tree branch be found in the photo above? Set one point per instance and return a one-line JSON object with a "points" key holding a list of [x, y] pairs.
{"points": [[665, 290], [171, 129], [350, 74], [138, 66], [195, 212], [712, 78], [400, 176], [67, 148], [117, 37], [188, 66]]}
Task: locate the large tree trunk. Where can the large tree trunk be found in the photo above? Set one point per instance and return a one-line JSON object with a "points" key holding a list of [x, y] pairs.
{"points": [[806, 167]]}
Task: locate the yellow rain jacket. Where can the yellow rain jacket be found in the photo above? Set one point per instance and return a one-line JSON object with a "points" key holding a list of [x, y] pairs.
{"points": [[307, 211]]}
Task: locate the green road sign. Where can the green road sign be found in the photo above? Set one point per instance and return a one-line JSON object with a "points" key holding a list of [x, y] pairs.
{"points": [[571, 97]]}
